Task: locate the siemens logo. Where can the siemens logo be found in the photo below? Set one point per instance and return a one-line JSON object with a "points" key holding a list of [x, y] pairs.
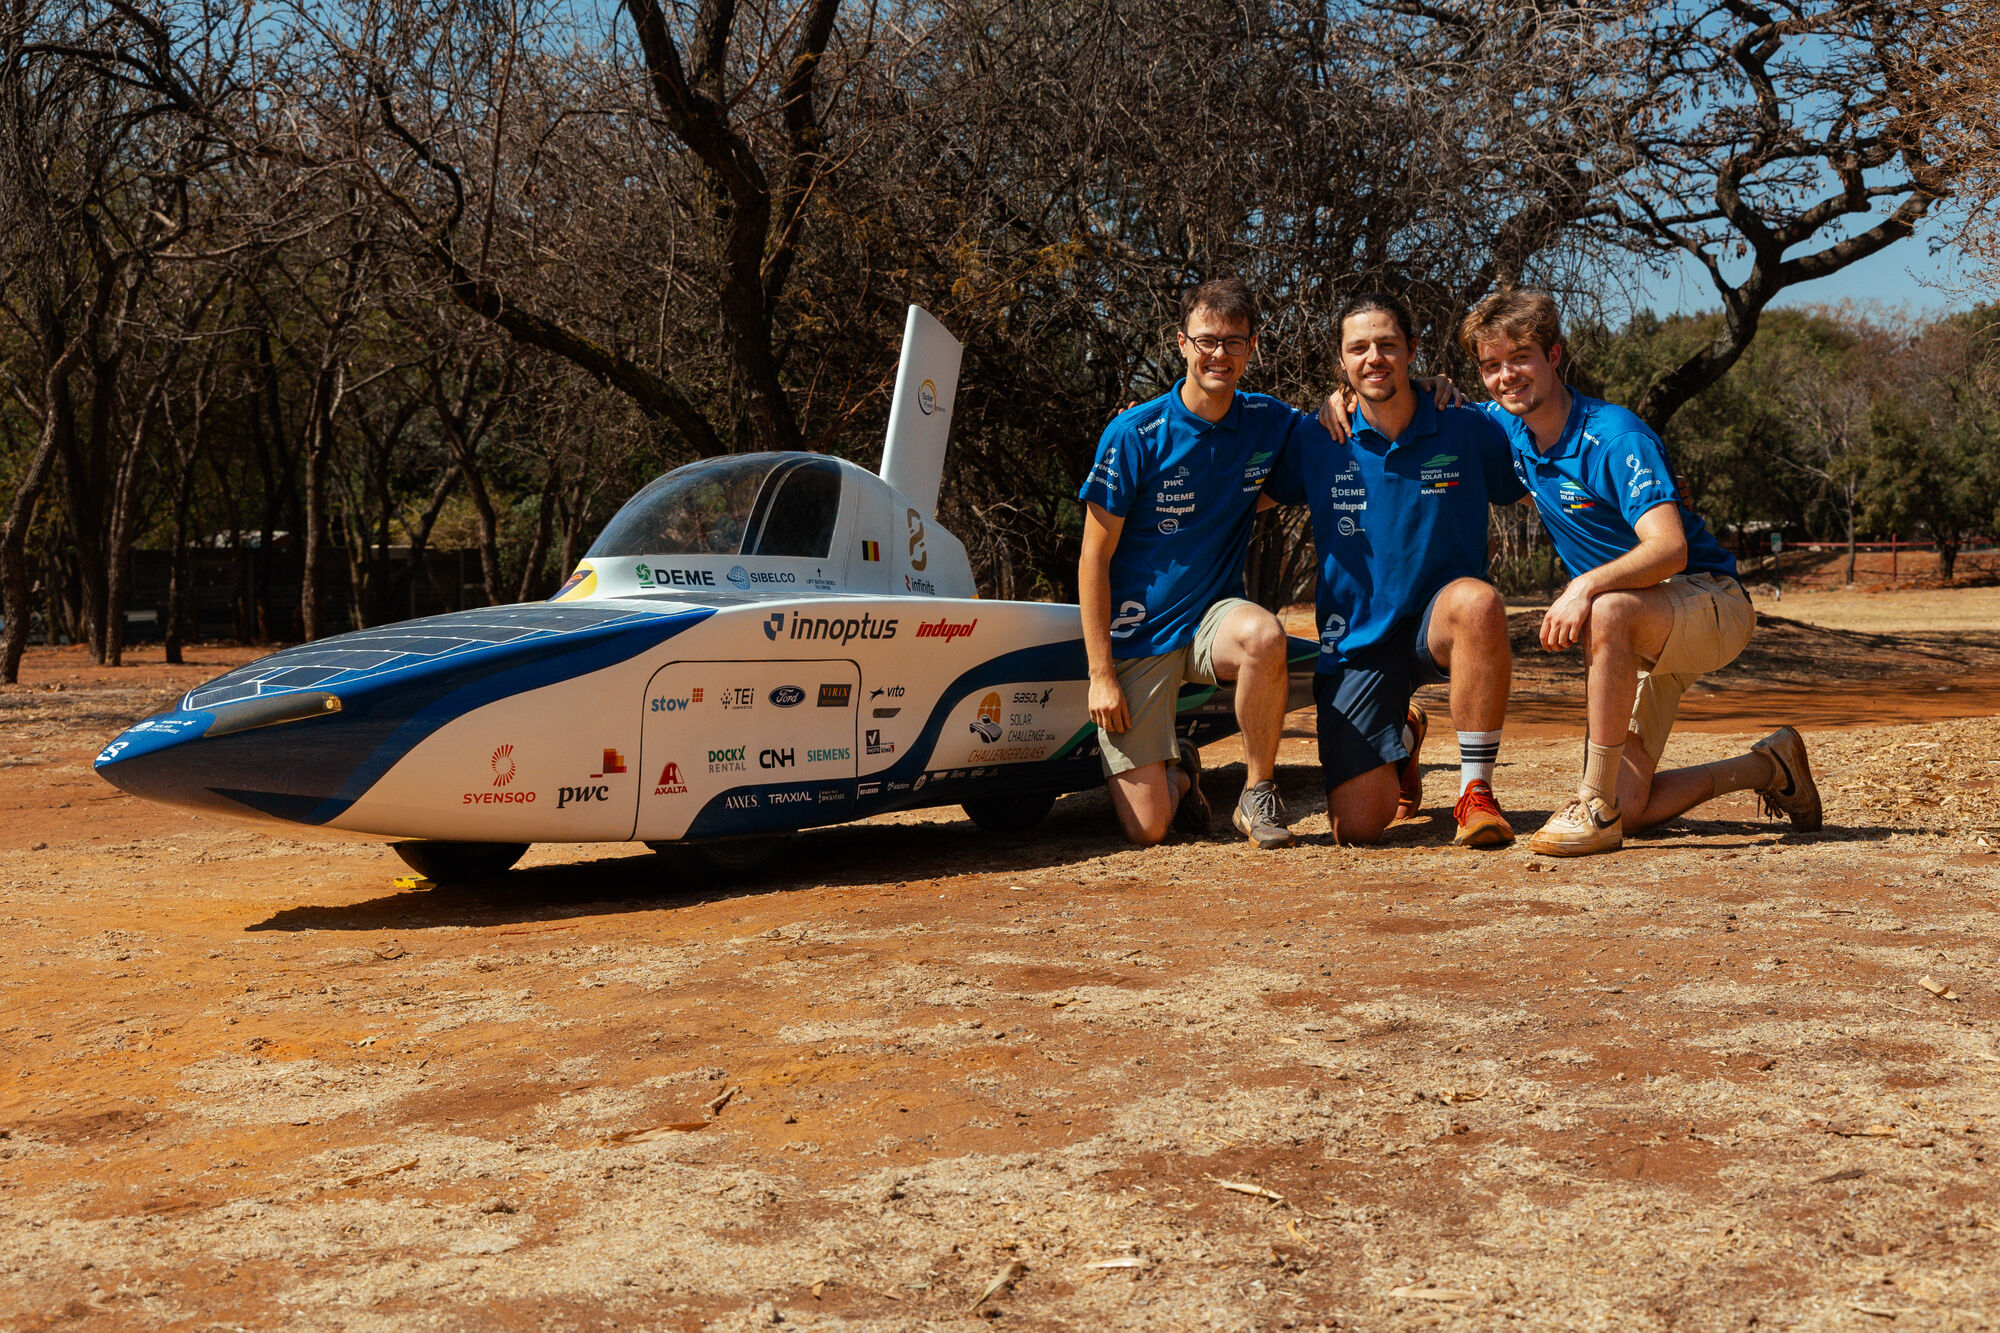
{"points": [[827, 756]]}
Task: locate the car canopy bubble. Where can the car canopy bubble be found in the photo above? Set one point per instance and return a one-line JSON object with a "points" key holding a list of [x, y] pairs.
{"points": [[776, 504]]}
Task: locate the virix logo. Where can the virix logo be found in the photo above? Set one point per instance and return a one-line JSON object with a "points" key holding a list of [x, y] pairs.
{"points": [[772, 624]]}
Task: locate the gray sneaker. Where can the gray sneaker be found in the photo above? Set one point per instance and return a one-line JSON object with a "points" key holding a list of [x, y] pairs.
{"points": [[1260, 816], [1191, 816]]}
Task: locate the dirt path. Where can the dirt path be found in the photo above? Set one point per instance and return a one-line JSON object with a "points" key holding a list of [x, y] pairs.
{"points": [[246, 1081]]}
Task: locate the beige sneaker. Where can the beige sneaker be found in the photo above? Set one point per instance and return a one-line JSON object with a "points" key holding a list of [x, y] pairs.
{"points": [[1584, 827], [1794, 794]]}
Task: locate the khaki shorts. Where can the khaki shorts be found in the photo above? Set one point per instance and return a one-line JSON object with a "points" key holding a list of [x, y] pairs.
{"points": [[1152, 686], [1712, 621]]}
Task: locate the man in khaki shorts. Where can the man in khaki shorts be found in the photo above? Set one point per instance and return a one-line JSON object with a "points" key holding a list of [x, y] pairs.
{"points": [[1654, 599], [1169, 506]]}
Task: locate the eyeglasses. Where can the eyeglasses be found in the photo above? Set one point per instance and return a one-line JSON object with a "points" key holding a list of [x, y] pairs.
{"points": [[1210, 346]]}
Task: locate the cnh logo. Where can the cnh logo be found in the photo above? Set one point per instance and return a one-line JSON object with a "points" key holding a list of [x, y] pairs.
{"points": [[775, 759], [564, 795]]}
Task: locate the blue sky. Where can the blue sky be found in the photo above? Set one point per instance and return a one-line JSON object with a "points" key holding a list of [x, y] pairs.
{"points": [[1904, 274]]}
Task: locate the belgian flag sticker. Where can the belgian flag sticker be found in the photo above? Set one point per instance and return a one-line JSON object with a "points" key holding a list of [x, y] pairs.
{"points": [[871, 550]]}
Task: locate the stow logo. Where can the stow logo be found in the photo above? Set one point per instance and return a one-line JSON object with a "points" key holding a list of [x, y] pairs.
{"points": [[670, 783], [503, 766], [1330, 634], [614, 762], [830, 756], [1126, 623], [834, 629], [836, 695], [737, 696], [788, 696], [1030, 697], [876, 745], [919, 556], [582, 795], [728, 760], [667, 705], [1572, 496], [987, 725], [650, 577], [927, 398], [1438, 473], [775, 758], [944, 629]]}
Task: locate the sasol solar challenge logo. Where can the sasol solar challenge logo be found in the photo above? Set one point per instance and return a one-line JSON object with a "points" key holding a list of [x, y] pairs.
{"points": [[987, 725]]}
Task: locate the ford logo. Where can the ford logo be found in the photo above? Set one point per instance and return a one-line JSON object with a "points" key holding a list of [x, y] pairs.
{"points": [[738, 576], [788, 696]]}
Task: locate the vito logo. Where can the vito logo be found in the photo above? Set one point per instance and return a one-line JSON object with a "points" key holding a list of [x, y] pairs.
{"points": [[772, 624], [564, 795], [670, 783], [503, 766], [945, 629]]}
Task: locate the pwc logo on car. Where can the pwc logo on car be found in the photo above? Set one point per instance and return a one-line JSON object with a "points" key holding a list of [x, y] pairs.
{"points": [[582, 795], [787, 696]]}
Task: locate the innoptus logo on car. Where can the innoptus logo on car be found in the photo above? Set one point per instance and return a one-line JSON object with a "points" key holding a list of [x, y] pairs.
{"points": [[788, 696], [773, 625]]}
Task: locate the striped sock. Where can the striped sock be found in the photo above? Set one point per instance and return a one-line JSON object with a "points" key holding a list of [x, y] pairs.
{"points": [[1478, 751]]}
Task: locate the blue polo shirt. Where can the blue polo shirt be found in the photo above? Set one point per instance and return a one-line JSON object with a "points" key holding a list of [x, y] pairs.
{"points": [[1394, 520], [1606, 469], [1187, 490]]}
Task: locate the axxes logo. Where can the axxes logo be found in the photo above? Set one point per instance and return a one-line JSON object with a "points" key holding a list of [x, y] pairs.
{"points": [[987, 725], [945, 629], [835, 629], [665, 705], [503, 766], [582, 795], [670, 783], [787, 696], [835, 695], [775, 759]]}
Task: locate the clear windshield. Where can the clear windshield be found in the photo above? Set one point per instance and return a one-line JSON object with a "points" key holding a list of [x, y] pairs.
{"points": [[744, 504]]}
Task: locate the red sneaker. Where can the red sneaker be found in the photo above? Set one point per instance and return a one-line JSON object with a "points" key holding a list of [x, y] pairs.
{"points": [[1480, 823], [1410, 773]]}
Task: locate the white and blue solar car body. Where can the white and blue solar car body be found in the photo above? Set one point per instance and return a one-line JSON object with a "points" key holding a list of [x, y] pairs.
{"points": [[756, 644]]}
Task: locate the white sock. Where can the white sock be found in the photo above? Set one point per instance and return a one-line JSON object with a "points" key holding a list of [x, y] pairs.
{"points": [[1409, 739], [1478, 751]]}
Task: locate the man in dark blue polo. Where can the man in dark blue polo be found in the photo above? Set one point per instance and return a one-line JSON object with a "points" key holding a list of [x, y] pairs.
{"points": [[1169, 508], [1399, 515]]}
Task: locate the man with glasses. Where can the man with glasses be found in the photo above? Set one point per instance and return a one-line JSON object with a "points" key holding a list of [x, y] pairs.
{"points": [[1169, 508]]}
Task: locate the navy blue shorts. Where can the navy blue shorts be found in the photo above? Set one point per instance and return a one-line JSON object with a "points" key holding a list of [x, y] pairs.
{"points": [[1363, 705]]}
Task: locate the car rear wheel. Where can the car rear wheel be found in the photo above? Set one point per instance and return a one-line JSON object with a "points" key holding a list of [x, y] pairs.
{"points": [[1010, 814], [727, 860], [454, 862]]}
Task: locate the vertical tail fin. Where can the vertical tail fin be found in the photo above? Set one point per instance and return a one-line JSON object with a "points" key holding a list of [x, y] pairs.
{"points": [[920, 412]]}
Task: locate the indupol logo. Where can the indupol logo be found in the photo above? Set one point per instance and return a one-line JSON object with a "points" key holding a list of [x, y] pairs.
{"points": [[503, 765], [948, 630], [772, 624]]}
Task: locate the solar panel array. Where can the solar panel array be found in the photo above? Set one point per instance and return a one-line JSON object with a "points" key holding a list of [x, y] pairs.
{"points": [[346, 658]]}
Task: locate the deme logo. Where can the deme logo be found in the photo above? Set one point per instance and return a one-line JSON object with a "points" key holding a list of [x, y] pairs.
{"points": [[772, 624], [738, 577]]}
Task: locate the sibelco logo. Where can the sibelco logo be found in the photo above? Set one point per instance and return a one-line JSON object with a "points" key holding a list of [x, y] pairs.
{"points": [[788, 696], [772, 624], [775, 759], [987, 725], [945, 629], [738, 577], [503, 766], [670, 783], [564, 795]]}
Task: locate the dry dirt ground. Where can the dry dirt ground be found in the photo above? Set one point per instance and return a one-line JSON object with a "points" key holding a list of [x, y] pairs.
{"points": [[920, 1077]]}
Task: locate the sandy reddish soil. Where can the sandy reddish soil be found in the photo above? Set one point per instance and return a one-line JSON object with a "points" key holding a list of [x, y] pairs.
{"points": [[246, 1081]]}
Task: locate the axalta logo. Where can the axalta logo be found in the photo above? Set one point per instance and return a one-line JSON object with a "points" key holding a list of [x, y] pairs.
{"points": [[664, 705], [947, 630], [1126, 623], [582, 795], [499, 798], [987, 725], [835, 629], [670, 783], [829, 756], [503, 765], [775, 759], [650, 577]]}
